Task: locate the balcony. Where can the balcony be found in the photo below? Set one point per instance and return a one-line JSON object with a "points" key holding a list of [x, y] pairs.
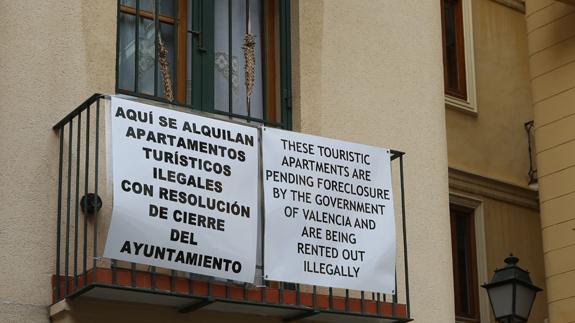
{"points": [[83, 216]]}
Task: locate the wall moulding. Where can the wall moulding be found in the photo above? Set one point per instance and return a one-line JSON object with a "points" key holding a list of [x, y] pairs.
{"points": [[475, 184], [517, 5]]}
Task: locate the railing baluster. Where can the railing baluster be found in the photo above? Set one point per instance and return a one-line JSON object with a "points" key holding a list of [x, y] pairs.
{"points": [[264, 287], [248, 27], [404, 227], [280, 292], [95, 201], [59, 212], [137, 50], [314, 295], [133, 274], [228, 282], [114, 272], [76, 205], [330, 298], [394, 298], [210, 287], [156, 44], [68, 193], [153, 277], [172, 281], [263, 51], [377, 304], [297, 294], [285, 62], [86, 181], [118, 29], [230, 61]]}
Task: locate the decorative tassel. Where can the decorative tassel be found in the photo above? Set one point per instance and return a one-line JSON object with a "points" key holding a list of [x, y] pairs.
{"points": [[250, 58], [166, 79]]}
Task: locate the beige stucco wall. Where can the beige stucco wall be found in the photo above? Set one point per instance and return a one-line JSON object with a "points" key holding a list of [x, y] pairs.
{"points": [[493, 142], [359, 74], [518, 230], [371, 72], [53, 55], [551, 33], [506, 221]]}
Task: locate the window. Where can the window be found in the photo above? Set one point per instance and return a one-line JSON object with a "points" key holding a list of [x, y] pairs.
{"points": [[453, 49], [228, 57], [458, 69], [464, 265]]}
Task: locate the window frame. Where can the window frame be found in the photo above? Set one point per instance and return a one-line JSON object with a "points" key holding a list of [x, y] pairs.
{"points": [[475, 205], [277, 89], [460, 90], [452, 100], [473, 315]]}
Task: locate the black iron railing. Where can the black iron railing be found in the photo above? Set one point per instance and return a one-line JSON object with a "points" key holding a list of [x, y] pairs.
{"points": [[68, 215], [83, 213]]}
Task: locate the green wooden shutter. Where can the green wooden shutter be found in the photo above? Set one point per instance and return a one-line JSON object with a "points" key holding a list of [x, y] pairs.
{"points": [[203, 55], [285, 64]]}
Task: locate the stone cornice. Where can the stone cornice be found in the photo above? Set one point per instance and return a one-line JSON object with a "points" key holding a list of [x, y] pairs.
{"points": [[516, 5], [475, 184]]}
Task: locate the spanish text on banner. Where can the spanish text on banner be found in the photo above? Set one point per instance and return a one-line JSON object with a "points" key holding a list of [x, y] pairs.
{"points": [[185, 191]]}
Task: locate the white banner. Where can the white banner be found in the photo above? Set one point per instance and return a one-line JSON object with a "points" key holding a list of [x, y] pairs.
{"points": [[329, 216], [185, 191]]}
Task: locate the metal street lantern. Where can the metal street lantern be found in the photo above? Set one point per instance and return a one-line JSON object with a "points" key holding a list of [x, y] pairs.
{"points": [[511, 292]]}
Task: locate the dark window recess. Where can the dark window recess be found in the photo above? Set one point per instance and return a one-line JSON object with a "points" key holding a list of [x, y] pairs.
{"points": [[453, 49], [229, 57], [464, 265]]}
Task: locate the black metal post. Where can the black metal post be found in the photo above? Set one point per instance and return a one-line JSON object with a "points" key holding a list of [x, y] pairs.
{"points": [[404, 228], [347, 300], [230, 61], [330, 298], [68, 193], [297, 294], [314, 295], [86, 182], [133, 274], [59, 212], [137, 50], [76, 204], [95, 201], [156, 44]]}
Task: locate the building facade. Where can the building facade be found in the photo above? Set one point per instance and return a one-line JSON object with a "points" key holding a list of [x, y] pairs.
{"points": [[494, 211], [551, 52], [352, 78], [371, 72]]}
